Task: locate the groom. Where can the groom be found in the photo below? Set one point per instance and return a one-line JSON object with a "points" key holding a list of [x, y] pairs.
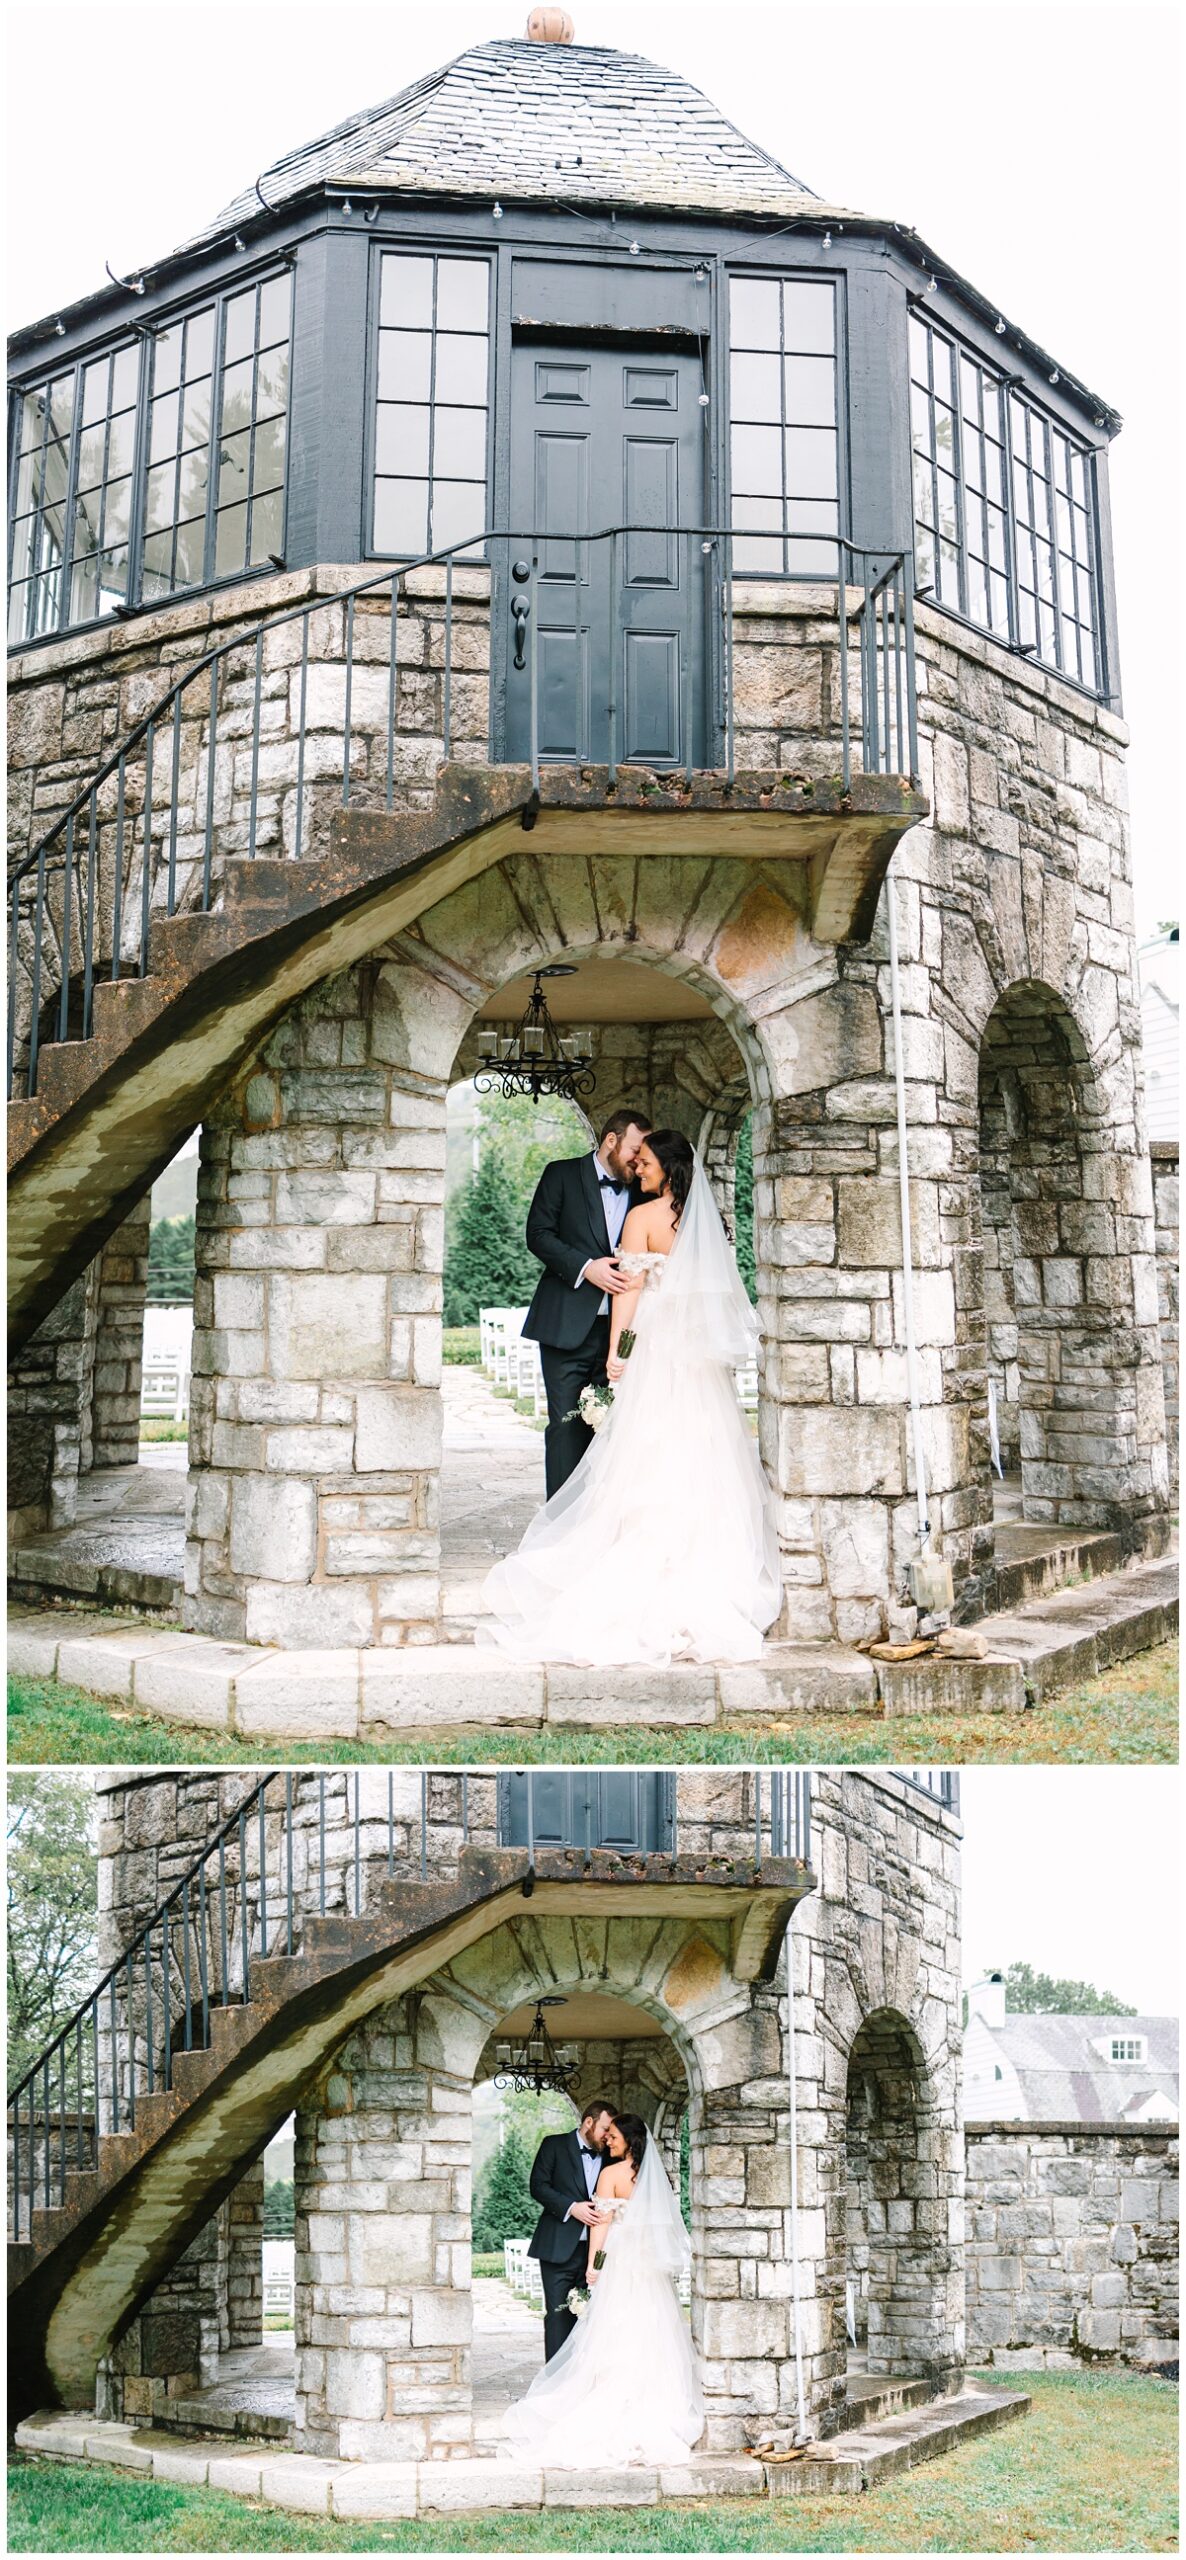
{"points": [[564, 2175], [573, 1227]]}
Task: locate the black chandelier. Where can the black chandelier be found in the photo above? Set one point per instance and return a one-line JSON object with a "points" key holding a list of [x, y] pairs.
{"points": [[536, 2065], [535, 1058]]}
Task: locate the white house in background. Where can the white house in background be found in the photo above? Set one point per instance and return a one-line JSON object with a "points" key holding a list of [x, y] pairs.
{"points": [[1160, 964], [1063, 2069]]}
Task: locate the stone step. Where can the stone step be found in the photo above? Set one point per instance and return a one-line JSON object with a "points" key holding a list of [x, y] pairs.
{"points": [[1029, 1563], [881, 2395], [1042, 1647], [862, 2457]]}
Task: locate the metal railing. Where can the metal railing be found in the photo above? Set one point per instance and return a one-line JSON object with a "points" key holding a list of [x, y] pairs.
{"points": [[300, 1845], [942, 1785], [195, 782]]}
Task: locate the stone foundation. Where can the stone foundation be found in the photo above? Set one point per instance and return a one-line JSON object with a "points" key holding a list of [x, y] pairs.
{"points": [[1072, 2248]]}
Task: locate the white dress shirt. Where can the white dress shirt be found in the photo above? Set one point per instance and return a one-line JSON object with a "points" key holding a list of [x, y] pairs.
{"points": [[592, 2164], [616, 1209]]}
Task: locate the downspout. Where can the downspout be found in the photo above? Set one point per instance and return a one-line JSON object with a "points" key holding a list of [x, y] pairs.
{"points": [[801, 2435], [920, 1472]]}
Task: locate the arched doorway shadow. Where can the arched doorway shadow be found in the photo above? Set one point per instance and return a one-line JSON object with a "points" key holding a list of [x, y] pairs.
{"points": [[895, 2209], [1058, 1427]]}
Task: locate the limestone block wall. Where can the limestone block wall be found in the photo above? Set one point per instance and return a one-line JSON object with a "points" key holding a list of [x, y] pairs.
{"points": [[1072, 2248], [119, 1342], [315, 1422], [1164, 1157], [244, 2210], [71, 702], [49, 1413]]}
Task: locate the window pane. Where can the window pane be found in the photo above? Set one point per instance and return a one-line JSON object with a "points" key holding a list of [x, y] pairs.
{"points": [[811, 462], [199, 344], [271, 379], [121, 445], [924, 491], [33, 408], [237, 384], [230, 551], [810, 390], [944, 434], [459, 444], [195, 415], [275, 304], [117, 513], [270, 439], [757, 458], [125, 374], [61, 408], [94, 392], [23, 533], [234, 463], [92, 445], [766, 557], [949, 581], [401, 516], [948, 510], [461, 370], [401, 439], [919, 345], [809, 318], [195, 481], [191, 551], [159, 508], [162, 433], [943, 360], [405, 365], [924, 557], [756, 387], [753, 312], [267, 527], [458, 510], [920, 417], [807, 557], [158, 562], [463, 293], [970, 391], [405, 293], [239, 338]]}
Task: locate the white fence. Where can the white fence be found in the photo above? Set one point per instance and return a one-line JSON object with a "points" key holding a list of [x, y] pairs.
{"points": [[168, 1343], [513, 1363]]}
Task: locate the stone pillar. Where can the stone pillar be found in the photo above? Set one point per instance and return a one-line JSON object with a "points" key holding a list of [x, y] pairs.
{"points": [[49, 1407], [315, 1420], [740, 2191], [244, 2210], [122, 1288], [383, 2250]]}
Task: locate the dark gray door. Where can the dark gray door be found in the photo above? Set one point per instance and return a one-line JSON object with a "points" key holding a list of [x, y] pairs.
{"points": [[604, 436], [626, 1809]]}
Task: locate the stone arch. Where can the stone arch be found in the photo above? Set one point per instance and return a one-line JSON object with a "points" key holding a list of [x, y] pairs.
{"points": [[895, 2206], [1069, 1315]]}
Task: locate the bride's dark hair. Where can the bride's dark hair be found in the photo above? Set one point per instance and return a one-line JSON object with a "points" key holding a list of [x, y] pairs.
{"points": [[678, 1162], [634, 2135]]}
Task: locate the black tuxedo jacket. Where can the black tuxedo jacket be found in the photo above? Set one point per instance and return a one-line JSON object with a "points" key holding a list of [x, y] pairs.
{"points": [[566, 1229], [558, 2180]]}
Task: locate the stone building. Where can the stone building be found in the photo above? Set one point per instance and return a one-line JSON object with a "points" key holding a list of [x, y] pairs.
{"points": [[339, 708], [408, 1940]]}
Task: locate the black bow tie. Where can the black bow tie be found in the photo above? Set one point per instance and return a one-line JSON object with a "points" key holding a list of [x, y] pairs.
{"points": [[607, 1183]]}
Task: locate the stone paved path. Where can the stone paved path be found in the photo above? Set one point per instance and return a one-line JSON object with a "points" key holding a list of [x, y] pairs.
{"points": [[508, 2353], [492, 1480]]}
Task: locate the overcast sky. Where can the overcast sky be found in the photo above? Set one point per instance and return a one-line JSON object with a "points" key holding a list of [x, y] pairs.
{"points": [[1075, 1871], [1032, 145]]}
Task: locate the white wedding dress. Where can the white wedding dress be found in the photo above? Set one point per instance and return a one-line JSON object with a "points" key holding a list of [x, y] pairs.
{"points": [[624, 2387], [662, 1544]]}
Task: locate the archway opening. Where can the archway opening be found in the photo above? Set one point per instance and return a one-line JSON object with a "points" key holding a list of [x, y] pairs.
{"points": [[658, 1045], [614, 2050], [1059, 1421], [892, 2210]]}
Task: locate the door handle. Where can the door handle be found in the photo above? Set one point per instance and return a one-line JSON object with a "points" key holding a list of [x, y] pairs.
{"points": [[520, 611]]}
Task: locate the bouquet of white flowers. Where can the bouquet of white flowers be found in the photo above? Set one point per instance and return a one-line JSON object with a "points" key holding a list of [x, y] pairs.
{"points": [[578, 2299]]}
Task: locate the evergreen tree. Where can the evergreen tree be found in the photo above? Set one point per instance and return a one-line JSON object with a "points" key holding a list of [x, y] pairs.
{"points": [[487, 1263], [279, 2216], [503, 2206], [743, 1210], [171, 1262]]}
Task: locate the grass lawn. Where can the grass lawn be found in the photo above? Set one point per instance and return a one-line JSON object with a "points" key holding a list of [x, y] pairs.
{"points": [[1093, 2468], [1130, 1714]]}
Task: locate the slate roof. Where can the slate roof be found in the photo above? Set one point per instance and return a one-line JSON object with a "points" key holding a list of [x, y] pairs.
{"points": [[541, 122], [1063, 2078]]}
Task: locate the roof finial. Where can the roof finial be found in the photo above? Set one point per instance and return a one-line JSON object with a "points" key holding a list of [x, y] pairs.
{"points": [[549, 26]]}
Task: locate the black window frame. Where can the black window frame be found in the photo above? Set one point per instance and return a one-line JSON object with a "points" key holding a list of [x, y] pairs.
{"points": [[1013, 394], [835, 280], [440, 251], [142, 337]]}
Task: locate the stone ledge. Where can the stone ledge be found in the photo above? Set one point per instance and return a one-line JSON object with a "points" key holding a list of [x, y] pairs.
{"points": [[347, 1695], [306, 2484]]}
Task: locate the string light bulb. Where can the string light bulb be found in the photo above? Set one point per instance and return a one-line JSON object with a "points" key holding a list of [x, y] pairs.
{"points": [[497, 212], [1000, 328]]}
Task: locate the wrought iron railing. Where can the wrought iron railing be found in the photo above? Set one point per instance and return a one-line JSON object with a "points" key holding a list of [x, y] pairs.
{"points": [[300, 1845], [196, 781], [942, 1785]]}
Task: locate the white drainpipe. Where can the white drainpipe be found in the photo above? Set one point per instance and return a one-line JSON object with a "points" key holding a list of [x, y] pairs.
{"points": [[801, 2434], [920, 1472]]}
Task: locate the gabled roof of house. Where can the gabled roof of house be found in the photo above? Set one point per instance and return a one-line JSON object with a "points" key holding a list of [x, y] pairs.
{"points": [[1063, 2077], [573, 123]]}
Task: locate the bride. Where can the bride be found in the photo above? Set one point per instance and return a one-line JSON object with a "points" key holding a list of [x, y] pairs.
{"points": [[624, 2386], [662, 1543]]}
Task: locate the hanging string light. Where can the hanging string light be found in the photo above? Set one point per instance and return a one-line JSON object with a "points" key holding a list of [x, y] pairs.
{"points": [[535, 1057], [535, 2065]]}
